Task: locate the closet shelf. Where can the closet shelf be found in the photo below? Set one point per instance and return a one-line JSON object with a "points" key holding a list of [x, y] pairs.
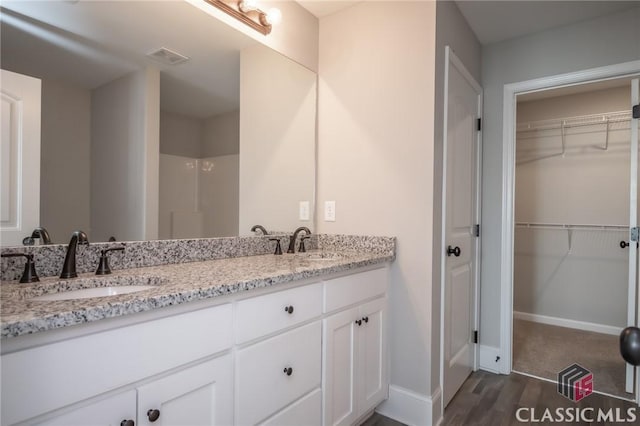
{"points": [[607, 118], [533, 225]]}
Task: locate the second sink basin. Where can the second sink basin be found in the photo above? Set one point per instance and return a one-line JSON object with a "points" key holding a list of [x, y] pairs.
{"points": [[87, 293]]}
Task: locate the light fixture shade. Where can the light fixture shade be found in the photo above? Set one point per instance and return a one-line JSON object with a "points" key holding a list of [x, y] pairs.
{"points": [[274, 16], [248, 5], [248, 12]]}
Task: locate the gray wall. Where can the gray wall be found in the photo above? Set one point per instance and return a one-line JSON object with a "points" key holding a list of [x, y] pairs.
{"points": [[451, 30], [221, 135], [180, 135], [65, 159], [603, 41]]}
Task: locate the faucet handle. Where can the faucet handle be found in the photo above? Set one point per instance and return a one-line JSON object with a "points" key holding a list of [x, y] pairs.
{"points": [[103, 265], [278, 248], [29, 275], [301, 247]]}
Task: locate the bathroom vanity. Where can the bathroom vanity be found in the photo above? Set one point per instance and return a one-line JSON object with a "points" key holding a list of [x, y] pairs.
{"points": [[297, 339]]}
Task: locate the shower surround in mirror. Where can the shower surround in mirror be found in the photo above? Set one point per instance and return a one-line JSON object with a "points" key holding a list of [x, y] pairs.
{"points": [[105, 103]]}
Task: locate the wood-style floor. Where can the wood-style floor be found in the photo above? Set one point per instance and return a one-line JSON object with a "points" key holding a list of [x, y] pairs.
{"points": [[492, 400]]}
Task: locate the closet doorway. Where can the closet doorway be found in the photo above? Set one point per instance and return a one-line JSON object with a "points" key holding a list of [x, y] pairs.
{"points": [[571, 254]]}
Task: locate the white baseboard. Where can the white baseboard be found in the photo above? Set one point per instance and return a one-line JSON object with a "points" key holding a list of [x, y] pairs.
{"points": [[411, 408], [490, 359], [562, 322]]}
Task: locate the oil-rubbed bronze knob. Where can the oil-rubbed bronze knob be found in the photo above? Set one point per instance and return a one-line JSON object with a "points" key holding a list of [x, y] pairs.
{"points": [[288, 309], [126, 422], [365, 319], [288, 371], [153, 415], [453, 251], [359, 322]]}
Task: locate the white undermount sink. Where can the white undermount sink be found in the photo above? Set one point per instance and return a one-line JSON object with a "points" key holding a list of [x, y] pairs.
{"points": [[92, 286], [86, 293]]}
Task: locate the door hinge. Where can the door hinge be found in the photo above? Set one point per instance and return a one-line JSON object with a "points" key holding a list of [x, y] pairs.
{"points": [[479, 124], [636, 111], [475, 336], [477, 230], [634, 234]]}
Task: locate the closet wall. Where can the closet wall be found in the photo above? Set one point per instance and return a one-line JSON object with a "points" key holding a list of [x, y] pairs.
{"points": [[571, 210]]}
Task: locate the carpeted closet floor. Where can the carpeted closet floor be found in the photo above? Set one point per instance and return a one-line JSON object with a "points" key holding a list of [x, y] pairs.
{"points": [[543, 350]]}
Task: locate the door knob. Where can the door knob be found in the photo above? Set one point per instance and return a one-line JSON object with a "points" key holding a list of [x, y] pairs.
{"points": [[624, 244], [153, 415], [453, 251], [127, 423], [288, 371], [288, 309]]}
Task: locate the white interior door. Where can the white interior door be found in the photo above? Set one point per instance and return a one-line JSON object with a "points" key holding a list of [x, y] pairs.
{"points": [[460, 217], [633, 318], [19, 157]]}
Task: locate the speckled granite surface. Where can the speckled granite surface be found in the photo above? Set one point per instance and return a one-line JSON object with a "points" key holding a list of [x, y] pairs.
{"points": [[49, 259], [177, 283]]}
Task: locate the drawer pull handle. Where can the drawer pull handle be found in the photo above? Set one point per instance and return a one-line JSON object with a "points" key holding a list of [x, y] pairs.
{"points": [[288, 371], [359, 322], [153, 415], [126, 422], [365, 319], [288, 309]]}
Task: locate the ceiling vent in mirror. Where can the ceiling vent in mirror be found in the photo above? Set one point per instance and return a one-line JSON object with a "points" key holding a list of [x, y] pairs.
{"points": [[168, 56]]}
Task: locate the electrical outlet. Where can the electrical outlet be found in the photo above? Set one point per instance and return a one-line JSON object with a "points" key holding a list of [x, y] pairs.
{"points": [[329, 211], [304, 210]]}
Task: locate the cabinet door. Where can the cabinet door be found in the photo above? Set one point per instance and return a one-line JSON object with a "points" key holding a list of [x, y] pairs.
{"points": [[111, 411], [199, 395], [372, 356], [339, 358]]}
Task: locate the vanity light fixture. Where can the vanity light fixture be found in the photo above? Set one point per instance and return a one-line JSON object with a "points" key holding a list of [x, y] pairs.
{"points": [[248, 12]]}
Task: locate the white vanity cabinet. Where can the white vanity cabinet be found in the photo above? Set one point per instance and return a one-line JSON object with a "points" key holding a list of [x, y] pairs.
{"points": [[308, 353], [354, 347], [71, 374], [199, 395]]}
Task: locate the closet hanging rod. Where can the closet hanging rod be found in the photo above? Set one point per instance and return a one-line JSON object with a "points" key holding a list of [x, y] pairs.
{"points": [[533, 225], [578, 121]]}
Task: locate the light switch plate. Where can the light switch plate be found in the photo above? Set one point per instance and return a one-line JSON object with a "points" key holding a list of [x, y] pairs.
{"points": [[329, 211], [304, 210]]}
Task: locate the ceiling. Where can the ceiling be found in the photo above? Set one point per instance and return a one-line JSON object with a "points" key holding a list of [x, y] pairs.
{"points": [[90, 43], [320, 8], [494, 21]]}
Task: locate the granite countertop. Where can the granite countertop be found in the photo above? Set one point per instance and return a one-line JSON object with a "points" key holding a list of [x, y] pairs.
{"points": [[173, 284]]}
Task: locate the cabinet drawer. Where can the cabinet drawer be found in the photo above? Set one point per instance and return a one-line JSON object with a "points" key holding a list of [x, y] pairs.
{"points": [[108, 412], [263, 387], [305, 412], [351, 289], [48, 377], [263, 315]]}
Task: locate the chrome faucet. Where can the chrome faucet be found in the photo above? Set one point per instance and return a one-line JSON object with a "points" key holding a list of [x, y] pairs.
{"points": [[69, 267], [292, 240]]}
